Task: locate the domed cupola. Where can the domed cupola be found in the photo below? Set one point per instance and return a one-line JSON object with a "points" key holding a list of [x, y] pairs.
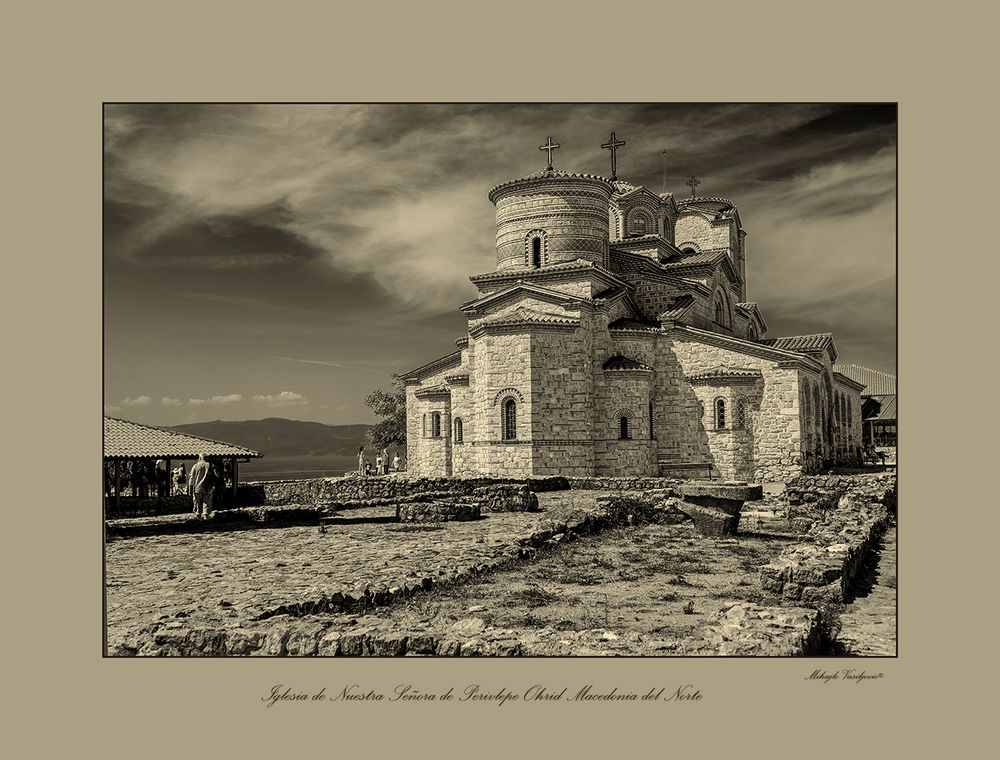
{"points": [[551, 217]]}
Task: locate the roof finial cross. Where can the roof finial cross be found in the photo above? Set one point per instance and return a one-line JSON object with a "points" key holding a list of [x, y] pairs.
{"points": [[613, 145], [549, 146], [693, 182]]}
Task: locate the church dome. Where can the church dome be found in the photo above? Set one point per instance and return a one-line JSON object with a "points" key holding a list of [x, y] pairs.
{"points": [[551, 217]]}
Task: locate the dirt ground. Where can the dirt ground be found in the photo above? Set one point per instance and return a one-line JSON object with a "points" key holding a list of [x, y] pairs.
{"points": [[662, 581]]}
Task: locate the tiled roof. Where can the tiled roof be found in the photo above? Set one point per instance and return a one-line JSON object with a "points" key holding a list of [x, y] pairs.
{"points": [[548, 174], [452, 359], [726, 373], [695, 259], [619, 363], [125, 439], [523, 314], [704, 199], [678, 307], [432, 390], [510, 273], [817, 342], [876, 382]]}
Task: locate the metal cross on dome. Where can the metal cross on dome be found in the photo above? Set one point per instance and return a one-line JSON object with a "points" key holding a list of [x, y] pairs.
{"points": [[693, 182], [549, 146], [613, 145]]}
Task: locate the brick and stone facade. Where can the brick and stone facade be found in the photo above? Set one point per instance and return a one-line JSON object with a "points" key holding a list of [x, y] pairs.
{"points": [[614, 339]]}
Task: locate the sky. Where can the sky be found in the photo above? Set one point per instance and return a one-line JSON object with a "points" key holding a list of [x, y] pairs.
{"points": [[285, 260]]}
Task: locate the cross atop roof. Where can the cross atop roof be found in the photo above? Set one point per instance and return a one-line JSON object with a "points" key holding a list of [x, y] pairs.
{"points": [[693, 182], [613, 145], [549, 146]]}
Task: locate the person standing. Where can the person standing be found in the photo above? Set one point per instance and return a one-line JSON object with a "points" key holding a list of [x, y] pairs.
{"points": [[395, 463], [378, 464], [385, 460], [202, 482], [180, 480], [361, 461]]}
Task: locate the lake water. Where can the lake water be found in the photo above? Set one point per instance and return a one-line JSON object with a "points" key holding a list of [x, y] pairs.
{"points": [[294, 468]]}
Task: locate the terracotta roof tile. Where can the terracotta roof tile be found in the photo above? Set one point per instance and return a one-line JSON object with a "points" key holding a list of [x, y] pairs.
{"points": [[817, 342], [124, 439]]}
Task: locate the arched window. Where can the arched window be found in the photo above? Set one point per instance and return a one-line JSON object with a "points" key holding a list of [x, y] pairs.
{"points": [[509, 420], [752, 333], [435, 424], [424, 428], [623, 428], [536, 252], [850, 414], [742, 412], [721, 311], [720, 414], [458, 430], [638, 225]]}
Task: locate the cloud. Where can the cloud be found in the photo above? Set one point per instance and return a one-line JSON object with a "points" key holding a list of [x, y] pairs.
{"points": [[138, 401], [110, 409], [284, 398], [165, 401], [233, 398]]}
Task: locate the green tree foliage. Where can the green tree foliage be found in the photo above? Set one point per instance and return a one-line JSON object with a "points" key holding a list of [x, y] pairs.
{"points": [[391, 407]]}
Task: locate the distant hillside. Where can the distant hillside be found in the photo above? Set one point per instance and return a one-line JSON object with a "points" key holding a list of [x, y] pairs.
{"points": [[278, 437]]}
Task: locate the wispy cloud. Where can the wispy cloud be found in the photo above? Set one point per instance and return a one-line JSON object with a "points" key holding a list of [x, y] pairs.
{"points": [[167, 401], [284, 398], [324, 363], [138, 401], [232, 398]]}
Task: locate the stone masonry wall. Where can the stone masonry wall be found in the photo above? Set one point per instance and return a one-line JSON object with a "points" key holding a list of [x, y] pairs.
{"points": [[773, 426]]}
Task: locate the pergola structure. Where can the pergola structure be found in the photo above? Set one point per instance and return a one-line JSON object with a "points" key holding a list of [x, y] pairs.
{"points": [[130, 448]]}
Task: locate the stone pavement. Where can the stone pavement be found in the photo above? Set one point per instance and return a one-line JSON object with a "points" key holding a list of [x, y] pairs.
{"points": [[229, 577], [868, 625]]}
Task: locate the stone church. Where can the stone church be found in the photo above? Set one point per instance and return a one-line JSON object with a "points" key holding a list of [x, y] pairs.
{"points": [[615, 338]]}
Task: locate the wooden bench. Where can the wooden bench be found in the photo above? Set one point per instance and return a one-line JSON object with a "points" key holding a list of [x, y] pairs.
{"points": [[669, 466]]}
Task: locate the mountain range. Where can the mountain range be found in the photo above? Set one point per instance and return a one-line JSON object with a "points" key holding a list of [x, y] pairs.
{"points": [[278, 437]]}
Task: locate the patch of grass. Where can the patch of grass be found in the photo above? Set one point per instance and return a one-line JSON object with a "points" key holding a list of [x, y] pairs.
{"points": [[680, 580], [532, 596], [688, 609]]}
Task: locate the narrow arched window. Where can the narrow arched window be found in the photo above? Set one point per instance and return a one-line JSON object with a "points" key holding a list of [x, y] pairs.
{"points": [[850, 414], [509, 421], [425, 426], [536, 252], [742, 412], [720, 413], [651, 420], [721, 312], [752, 333], [458, 430], [623, 428], [435, 424]]}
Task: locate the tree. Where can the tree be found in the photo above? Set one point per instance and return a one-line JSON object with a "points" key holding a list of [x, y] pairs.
{"points": [[391, 406]]}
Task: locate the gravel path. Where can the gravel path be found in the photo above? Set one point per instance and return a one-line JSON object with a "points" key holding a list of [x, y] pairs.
{"points": [[868, 625]]}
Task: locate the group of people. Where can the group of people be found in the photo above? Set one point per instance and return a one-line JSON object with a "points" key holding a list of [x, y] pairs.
{"points": [[382, 465]]}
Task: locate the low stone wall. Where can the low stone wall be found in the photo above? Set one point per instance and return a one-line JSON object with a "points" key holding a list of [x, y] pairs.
{"points": [[621, 484], [139, 506], [824, 489], [226, 519], [822, 568], [505, 498], [437, 511], [355, 488], [751, 630]]}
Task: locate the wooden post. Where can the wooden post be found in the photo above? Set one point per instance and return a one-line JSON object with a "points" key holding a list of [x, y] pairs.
{"points": [[170, 480], [236, 469]]}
